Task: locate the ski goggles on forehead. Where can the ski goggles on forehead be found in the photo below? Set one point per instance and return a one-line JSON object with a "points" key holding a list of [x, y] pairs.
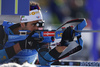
{"points": [[34, 7], [39, 24]]}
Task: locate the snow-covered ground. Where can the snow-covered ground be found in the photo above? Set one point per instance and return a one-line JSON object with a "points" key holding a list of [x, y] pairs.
{"points": [[17, 65]]}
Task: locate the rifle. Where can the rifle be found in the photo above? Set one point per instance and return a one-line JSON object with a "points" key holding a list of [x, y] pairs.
{"points": [[48, 36]]}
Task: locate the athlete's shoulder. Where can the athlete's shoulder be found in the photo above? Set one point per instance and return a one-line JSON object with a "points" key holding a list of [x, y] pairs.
{"points": [[7, 24]]}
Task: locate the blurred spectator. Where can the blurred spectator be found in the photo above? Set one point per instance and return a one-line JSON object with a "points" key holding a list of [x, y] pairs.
{"points": [[56, 10]]}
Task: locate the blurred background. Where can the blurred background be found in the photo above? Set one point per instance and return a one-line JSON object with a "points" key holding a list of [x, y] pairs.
{"points": [[56, 12]]}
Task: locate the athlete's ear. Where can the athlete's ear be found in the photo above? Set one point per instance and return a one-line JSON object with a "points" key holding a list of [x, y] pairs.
{"points": [[22, 25]]}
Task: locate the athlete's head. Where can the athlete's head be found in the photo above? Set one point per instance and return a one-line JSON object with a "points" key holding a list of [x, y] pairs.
{"points": [[34, 21]]}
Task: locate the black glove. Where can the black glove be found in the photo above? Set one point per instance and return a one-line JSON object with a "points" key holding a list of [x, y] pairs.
{"points": [[67, 36], [29, 43]]}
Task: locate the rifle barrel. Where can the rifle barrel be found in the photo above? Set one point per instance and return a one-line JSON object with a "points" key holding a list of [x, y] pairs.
{"points": [[87, 30]]}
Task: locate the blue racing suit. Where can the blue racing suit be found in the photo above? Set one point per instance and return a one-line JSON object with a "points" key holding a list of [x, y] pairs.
{"points": [[23, 56]]}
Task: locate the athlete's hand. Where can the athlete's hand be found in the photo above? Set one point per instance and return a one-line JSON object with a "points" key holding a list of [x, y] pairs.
{"points": [[29, 43], [67, 36]]}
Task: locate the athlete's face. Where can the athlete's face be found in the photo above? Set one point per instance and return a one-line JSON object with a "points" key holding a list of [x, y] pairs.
{"points": [[31, 26]]}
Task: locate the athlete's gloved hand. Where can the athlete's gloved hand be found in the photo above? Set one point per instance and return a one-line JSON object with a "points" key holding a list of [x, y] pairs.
{"points": [[29, 43], [67, 36]]}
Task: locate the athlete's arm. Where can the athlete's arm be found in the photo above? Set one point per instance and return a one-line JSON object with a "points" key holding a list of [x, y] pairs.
{"points": [[9, 52]]}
